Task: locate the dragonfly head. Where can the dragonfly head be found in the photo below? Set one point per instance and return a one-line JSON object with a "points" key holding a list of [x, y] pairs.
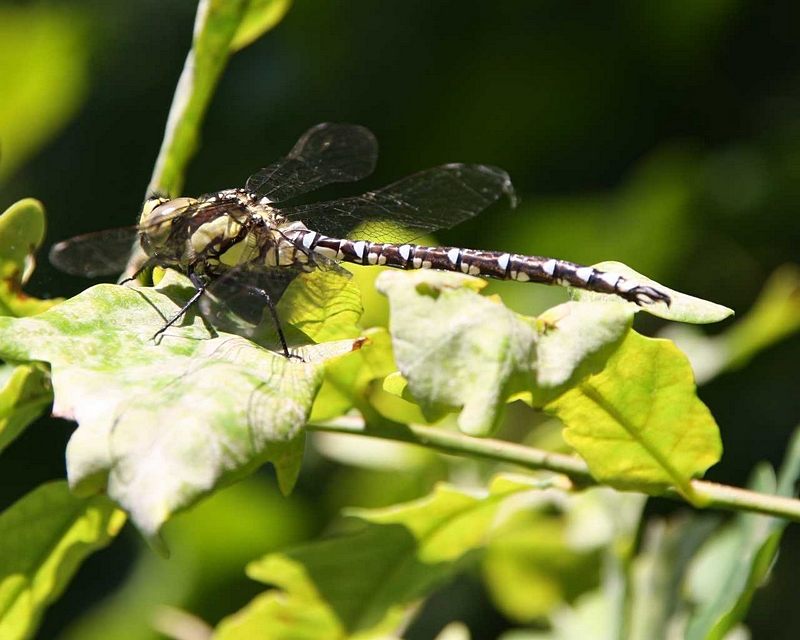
{"points": [[157, 222]]}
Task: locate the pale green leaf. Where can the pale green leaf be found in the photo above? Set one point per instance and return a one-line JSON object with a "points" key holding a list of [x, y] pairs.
{"points": [[727, 572], [338, 586], [592, 616], [24, 396], [44, 537], [454, 631], [360, 382], [22, 229], [639, 423], [571, 333], [161, 425], [461, 351], [682, 307], [260, 17]]}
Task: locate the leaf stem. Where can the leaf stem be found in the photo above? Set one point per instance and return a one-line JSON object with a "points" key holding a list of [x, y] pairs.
{"points": [[709, 494]]}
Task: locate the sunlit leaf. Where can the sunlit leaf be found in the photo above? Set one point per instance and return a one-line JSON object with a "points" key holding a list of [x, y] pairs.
{"points": [[22, 228], [338, 586], [460, 350], [729, 569], [161, 425], [24, 396], [639, 423], [455, 631], [682, 307], [44, 538], [260, 17]]}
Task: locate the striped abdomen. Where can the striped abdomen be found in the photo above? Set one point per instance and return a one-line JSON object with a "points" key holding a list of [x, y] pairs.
{"points": [[489, 264]]}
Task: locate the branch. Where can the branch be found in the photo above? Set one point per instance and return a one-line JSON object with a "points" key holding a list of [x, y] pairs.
{"points": [[710, 494]]}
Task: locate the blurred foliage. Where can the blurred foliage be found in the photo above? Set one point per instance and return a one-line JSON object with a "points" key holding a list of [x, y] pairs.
{"points": [[663, 135], [44, 64], [43, 540]]}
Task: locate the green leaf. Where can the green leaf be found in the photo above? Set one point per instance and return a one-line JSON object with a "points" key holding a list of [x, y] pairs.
{"points": [[639, 423], [339, 586], [44, 63], [24, 396], [44, 537], [726, 573], [22, 229], [260, 17], [162, 425], [460, 350], [682, 308]]}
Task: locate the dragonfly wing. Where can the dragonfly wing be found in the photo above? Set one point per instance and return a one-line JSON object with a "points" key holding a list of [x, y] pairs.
{"points": [[326, 153], [236, 302], [95, 254], [438, 198]]}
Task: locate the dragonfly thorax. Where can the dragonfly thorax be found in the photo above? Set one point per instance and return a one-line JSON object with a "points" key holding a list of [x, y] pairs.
{"points": [[214, 233]]}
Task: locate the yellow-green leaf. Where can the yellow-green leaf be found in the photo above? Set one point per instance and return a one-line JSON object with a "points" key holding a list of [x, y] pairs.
{"points": [[639, 423], [24, 395], [260, 17], [22, 229], [682, 307]]}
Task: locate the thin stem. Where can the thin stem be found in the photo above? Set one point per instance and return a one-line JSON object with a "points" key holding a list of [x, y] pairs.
{"points": [[709, 494]]}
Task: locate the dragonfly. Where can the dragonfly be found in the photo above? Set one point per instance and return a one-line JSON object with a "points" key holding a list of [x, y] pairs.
{"points": [[242, 247]]}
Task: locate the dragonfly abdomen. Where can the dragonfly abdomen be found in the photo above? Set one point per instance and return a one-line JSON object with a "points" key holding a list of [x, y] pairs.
{"points": [[488, 264]]}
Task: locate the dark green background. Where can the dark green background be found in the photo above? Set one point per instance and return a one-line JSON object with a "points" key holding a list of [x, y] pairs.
{"points": [[662, 134]]}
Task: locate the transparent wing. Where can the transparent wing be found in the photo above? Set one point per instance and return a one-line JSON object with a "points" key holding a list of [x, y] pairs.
{"points": [[95, 254], [437, 198], [324, 154], [104, 253], [236, 303]]}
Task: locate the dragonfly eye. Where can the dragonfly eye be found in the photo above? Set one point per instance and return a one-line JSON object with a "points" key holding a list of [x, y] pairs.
{"points": [[157, 219], [165, 211]]}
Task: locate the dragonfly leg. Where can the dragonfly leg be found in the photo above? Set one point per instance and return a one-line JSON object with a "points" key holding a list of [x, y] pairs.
{"points": [[145, 265], [201, 289], [274, 314]]}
